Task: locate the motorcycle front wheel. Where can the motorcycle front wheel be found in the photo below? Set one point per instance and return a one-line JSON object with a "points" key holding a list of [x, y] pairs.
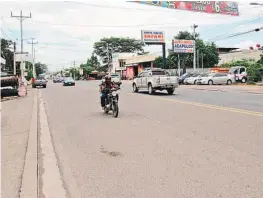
{"points": [[115, 109]]}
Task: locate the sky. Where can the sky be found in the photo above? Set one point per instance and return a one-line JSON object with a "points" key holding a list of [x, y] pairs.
{"points": [[66, 30]]}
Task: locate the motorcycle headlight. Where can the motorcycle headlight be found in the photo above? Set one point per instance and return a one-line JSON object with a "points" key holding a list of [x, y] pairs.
{"points": [[114, 93]]}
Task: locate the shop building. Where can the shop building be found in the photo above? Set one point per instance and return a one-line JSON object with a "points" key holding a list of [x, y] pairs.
{"points": [[136, 64]]}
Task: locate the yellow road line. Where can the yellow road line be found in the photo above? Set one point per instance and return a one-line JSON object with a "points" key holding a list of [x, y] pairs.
{"points": [[242, 111]]}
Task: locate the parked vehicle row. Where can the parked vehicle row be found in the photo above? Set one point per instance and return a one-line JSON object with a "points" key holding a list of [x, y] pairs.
{"points": [[207, 79]]}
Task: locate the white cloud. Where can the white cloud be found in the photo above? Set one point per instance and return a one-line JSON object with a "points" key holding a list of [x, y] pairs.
{"points": [[60, 45], [246, 44]]}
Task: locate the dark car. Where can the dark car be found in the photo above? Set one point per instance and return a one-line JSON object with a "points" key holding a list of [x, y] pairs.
{"points": [[68, 81], [184, 76]]}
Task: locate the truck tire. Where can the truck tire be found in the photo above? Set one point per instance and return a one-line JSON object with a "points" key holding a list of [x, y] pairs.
{"points": [[150, 89], [44, 86], [135, 88], [244, 80], [170, 91]]}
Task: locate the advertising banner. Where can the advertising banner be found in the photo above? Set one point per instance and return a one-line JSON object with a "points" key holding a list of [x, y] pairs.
{"points": [[183, 46], [149, 36], [211, 7]]}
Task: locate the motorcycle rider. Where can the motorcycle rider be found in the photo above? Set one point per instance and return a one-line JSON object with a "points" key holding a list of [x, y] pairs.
{"points": [[105, 88]]}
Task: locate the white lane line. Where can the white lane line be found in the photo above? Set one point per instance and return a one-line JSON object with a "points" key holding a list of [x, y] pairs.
{"points": [[52, 182]]}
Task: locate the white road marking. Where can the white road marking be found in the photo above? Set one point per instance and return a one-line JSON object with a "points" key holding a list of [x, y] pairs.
{"points": [[52, 183]]}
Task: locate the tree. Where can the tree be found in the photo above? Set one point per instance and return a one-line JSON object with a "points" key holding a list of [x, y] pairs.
{"points": [[93, 62], [7, 54], [117, 45], [41, 68], [208, 50]]}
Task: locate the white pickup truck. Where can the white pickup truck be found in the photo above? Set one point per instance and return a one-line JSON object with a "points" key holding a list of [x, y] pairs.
{"points": [[155, 79]]}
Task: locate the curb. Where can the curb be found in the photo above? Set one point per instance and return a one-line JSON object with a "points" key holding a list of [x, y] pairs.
{"points": [[29, 187]]}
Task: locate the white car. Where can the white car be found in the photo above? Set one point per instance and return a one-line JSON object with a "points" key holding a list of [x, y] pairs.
{"points": [[115, 78], [192, 79], [216, 79], [155, 79]]}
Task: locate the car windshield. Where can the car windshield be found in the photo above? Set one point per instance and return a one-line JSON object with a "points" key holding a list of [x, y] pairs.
{"points": [[195, 75], [184, 74], [40, 78], [68, 78]]}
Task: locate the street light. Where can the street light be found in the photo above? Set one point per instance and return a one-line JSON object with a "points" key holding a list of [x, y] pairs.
{"points": [[254, 3]]}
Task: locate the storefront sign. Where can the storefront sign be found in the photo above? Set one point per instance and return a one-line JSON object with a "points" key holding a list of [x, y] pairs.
{"points": [[211, 7], [183, 46], [149, 36]]}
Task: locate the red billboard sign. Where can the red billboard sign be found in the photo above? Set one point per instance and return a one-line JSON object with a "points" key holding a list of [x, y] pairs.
{"points": [[211, 7]]}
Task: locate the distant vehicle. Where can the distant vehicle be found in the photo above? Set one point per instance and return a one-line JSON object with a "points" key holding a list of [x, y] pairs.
{"points": [[184, 76], [115, 78], [192, 80], [155, 79], [39, 82], [239, 73], [68, 81], [216, 79], [57, 80]]}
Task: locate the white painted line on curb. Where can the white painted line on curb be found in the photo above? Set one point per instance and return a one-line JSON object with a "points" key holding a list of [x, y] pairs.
{"points": [[52, 183], [29, 179]]}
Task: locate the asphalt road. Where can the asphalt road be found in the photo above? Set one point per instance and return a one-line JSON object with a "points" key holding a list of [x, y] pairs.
{"points": [[160, 146]]}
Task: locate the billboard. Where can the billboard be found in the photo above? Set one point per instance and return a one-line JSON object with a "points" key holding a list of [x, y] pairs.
{"points": [[150, 36], [211, 7], [183, 46]]}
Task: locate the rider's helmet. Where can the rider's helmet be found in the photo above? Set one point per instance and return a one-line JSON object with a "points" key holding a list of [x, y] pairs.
{"points": [[107, 79]]}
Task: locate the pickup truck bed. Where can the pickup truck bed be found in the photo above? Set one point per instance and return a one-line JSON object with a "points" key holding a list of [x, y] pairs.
{"points": [[155, 79]]}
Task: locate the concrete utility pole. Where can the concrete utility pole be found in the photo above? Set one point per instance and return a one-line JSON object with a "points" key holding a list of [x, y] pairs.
{"points": [[108, 56], [33, 55], [194, 27], [14, 58], [21, 18], [74, 71]]}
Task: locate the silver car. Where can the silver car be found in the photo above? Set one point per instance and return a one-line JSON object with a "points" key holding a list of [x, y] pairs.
{"points": [[216, 79]]}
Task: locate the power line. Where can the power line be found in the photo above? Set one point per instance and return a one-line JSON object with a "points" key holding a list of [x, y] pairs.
{"points": [[241, 33], [107, 26], [242, 24]]}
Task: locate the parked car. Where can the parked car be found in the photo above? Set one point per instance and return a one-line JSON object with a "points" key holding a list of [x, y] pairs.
{"points": [[184, 76], [192, 79], [155, 79], [39, 82], [216, 79], [68, 81]]}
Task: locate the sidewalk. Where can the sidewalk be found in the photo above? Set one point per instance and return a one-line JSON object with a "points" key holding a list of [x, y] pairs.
{"points": [[16, 118]]}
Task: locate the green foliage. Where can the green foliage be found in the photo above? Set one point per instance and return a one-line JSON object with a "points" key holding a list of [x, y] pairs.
{"points": [[117, 45], [93, 62], [7, 54], [209, 51], [41, 68]]}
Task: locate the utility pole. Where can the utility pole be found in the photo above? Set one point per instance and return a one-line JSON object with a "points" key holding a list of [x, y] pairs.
{"points": [[74, 71], [14, 58], [194, 27], [33, 55], [197, 58], [21, 18], [202, 62], [108, 56]]}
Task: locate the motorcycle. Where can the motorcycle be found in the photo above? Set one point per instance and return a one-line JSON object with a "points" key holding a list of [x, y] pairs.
{"points": [[111, 103]]}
